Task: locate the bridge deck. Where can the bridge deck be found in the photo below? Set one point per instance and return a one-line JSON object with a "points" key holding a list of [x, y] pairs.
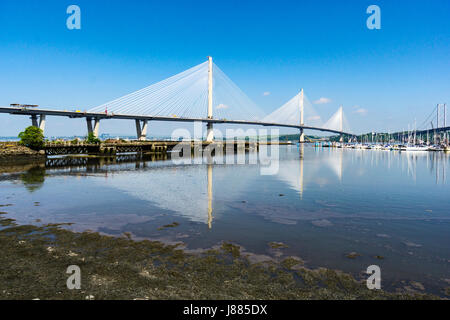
{"points": [[77, 114]]}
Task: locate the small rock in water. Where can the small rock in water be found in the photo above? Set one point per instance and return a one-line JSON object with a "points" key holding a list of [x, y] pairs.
{"points": [[281, 195], [353, 255], [278, 245], [172, 225], [322, 223], [379, 257]]}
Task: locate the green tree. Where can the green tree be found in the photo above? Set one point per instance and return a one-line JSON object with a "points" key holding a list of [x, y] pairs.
{"points": [[91, 138], [32, 137]]}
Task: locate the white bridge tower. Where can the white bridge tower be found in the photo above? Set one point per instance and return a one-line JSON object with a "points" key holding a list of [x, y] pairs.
{"points": [[209, 125]]}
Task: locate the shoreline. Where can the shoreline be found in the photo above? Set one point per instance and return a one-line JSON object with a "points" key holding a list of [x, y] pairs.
{"points": [[13, 152], [34, 262]]}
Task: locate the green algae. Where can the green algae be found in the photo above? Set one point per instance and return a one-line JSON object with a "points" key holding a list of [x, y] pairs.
{"points": [[171, 225], [232, 249], [278, 245], [291, 262], [35, 259], [353, 255]]}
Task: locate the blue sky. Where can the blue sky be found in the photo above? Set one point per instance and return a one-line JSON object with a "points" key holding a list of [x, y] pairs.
{"points": [[384, 78]]}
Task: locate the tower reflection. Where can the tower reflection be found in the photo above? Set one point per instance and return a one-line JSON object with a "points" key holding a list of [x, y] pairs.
{"points": [[210, 195]]}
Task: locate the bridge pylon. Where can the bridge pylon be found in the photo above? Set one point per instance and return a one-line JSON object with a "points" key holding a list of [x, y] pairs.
{"points": [[93, 129], [341, 123], [209, 125], [302, 109], [141, 131], [34, 121]]}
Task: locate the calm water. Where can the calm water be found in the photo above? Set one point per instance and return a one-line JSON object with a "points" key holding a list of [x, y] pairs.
{"points": [[322, 203]]}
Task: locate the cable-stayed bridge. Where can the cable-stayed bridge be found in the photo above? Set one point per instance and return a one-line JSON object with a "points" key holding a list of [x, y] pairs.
{"points": [[200, 94]]}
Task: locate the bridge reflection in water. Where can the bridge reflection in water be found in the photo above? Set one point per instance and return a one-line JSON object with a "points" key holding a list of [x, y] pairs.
{"points": [[291, 171], [181, 188]]}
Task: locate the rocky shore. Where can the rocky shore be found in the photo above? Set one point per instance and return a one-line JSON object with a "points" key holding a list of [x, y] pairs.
{"points": [[35, 259], [13, 152]]}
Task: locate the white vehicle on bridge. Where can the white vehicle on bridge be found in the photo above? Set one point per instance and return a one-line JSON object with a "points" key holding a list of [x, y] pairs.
{"points": [[23, 106]]}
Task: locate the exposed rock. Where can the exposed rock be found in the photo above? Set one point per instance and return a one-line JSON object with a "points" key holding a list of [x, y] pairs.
{"points": [[352, 255], [278, 245], [292, 263], [12, 151], [417, 285], [171, 225]]}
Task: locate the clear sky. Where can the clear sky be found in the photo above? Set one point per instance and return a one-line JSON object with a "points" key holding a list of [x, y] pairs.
{"points": [[384, 78]]}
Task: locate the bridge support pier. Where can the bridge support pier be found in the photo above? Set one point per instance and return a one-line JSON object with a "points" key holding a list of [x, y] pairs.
{"points": [[141, 131], [96, 127], [42, 122], [34, 121], [209, 125], [209, 132], [302, 136]]}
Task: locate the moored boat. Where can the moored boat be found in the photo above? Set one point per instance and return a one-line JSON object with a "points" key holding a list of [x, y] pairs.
{"points": [[415, 148]]}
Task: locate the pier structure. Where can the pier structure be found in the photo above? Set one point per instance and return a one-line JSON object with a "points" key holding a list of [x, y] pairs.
{"points": [[148, 147]]}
